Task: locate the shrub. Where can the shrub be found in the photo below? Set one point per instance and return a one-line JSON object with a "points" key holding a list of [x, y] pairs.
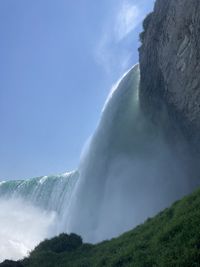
{"points": [[61, 243]]}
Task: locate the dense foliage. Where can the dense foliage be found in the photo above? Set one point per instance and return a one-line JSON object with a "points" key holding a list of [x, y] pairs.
{"points": [[61, 243], [8, 263], [170, 239]]}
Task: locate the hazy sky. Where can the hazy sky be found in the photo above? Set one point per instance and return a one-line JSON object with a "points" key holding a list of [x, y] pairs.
{"points": [[58, 60]]}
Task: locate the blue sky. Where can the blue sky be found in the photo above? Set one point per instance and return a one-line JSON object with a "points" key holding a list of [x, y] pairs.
{"points": [[58, 61]]}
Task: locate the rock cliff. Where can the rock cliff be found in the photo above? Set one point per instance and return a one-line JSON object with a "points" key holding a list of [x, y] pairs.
{"points": [[170, 65]]}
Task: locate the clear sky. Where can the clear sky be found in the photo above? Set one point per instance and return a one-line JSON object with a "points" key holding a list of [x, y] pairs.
{"points": [[58, 60]]}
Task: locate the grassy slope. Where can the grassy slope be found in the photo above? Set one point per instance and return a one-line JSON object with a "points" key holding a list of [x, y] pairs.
{"points": [[170, 239]]}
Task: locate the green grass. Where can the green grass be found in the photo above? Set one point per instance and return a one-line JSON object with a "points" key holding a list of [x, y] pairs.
{"points": [[170, 239]]}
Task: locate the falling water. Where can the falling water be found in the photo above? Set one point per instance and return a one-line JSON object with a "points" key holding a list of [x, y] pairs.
{"points": [[126, 174]]}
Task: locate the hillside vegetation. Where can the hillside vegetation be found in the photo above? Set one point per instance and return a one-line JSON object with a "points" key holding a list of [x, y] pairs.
{"points": [[170, 239]]}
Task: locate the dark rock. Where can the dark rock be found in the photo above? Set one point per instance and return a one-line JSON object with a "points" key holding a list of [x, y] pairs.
{"points": [[170, 65]]}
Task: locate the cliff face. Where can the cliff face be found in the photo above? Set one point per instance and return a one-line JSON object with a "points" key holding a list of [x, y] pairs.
{"points": [[170, 64]]}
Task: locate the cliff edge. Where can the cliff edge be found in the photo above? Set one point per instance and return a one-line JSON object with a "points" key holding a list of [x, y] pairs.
{"points": [[170, 64]]}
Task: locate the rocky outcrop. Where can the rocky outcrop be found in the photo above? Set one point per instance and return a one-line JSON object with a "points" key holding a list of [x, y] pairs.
{"points": [[170, 64]]}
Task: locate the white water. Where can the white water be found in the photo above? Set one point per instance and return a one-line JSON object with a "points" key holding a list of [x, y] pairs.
{"points": [[47, 192], [32, 210], [22, 227], [127, 173]]}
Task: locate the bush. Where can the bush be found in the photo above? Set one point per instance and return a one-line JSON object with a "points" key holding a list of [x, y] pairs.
{"points": [[8, 263], [61, 243]]}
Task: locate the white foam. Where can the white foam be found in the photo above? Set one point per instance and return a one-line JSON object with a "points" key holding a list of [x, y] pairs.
{"points": [[43, 179], [22, 227], [2, 182]]}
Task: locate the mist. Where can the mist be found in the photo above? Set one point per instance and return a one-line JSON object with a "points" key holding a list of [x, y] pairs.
{"points": [[22, 227]]}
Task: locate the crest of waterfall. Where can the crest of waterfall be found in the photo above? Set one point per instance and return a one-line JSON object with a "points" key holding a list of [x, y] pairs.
{"points": [[51, 193]]}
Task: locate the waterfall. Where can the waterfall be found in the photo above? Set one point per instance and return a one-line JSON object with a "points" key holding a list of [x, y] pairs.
{"points": [[127, 173], [50, 193]]}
